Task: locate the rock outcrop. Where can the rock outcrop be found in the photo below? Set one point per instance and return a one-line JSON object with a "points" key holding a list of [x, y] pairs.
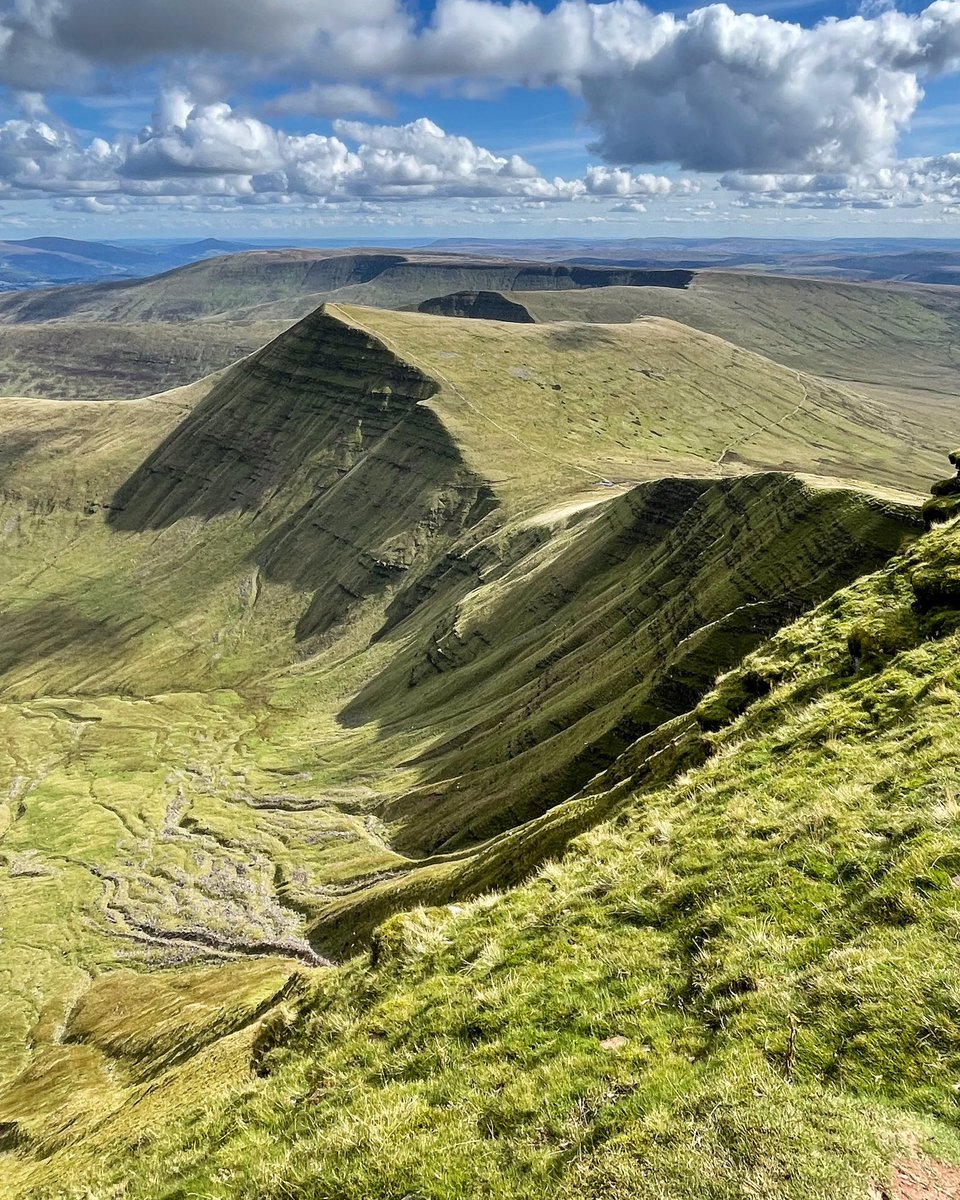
{"points": [[946, 496]]}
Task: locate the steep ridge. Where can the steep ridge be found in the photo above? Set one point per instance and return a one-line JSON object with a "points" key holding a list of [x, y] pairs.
{"points": [[277, 648], [327, 473], [350, 447], [573, 658]]}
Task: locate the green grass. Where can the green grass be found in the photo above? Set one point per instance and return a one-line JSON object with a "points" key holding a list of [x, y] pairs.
{"points": [[895, 335], [324, 637], [742, 983], [97, 360]]}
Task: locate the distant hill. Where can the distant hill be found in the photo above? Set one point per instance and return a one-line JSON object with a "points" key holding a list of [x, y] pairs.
{"points": [[255, 278], [213, 246], [918, 260], [42, 261]]}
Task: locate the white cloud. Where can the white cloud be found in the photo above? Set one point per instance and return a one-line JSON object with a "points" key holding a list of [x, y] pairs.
{"points": [[210, 154], [210, 150], [909, 183], [786, 116], [718, 90], [616, 181], [713, 90], [209, 139]]}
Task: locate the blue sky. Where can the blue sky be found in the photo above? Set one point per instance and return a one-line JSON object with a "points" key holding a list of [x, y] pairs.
{"points": [[379, 118]]}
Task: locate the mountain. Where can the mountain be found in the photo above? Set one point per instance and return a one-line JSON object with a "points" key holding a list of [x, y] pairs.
{"points": [[134, 338], [127, 339], [84, 360], [621, 648], [42, 261], [746, 973], [100, 253], [258, 277]]}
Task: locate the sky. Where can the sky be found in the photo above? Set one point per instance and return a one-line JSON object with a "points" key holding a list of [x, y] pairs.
{"points": [[476, 118]]}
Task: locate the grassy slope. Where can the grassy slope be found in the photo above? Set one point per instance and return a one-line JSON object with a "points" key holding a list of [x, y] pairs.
{"points": [[743, 983], [132, 338], [639, 401], [851, 331], [186, 765], [79, 361]]}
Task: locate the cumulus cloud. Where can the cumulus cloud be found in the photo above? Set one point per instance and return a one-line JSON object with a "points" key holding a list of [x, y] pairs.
{"points": [[212, 154], [909, 183], [712, 91], [607, 181], [785, 115], [36, 159], [209, 139], [719, 90], [212, 150]]}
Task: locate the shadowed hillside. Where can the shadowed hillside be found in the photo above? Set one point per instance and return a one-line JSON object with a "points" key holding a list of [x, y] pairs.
{"points": [[485, 306]]}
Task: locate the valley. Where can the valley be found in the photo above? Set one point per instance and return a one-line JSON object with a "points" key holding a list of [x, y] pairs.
{"points": [[440, 754]]}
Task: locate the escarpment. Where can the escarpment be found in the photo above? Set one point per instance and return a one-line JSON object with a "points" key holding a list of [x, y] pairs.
{"points": [[259, 277], [384, 616], [289, 421], [545, 675]]}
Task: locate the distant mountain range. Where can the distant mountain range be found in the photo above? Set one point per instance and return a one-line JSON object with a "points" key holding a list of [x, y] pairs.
{"points": [[54, 261], [910, 260], [45, 261]]}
